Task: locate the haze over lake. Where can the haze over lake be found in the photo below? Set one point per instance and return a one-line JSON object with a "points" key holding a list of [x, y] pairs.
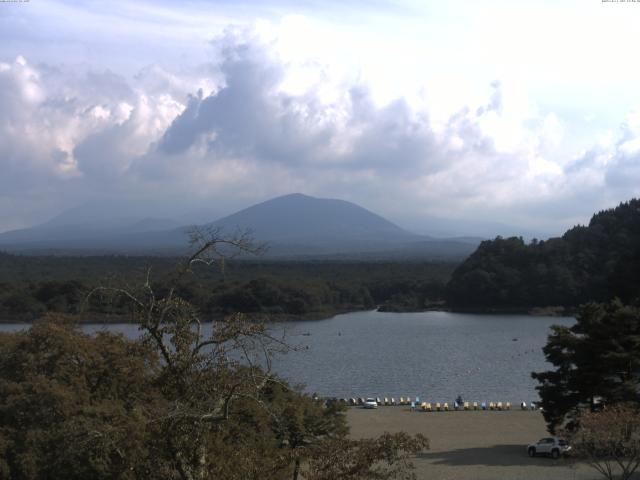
{"points": [[435, 355]]}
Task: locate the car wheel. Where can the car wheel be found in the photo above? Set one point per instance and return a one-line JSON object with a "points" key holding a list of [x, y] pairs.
{"points": [[555, 453], [532, 452]]}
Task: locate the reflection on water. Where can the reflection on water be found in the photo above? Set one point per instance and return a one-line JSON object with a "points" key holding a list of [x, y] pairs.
{"points": [[434, 355]]}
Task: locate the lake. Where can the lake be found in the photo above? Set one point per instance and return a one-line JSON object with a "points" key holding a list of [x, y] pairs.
{"points": [[433, 355]]}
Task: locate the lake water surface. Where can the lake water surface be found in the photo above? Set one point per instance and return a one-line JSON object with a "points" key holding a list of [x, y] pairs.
{"points": [[434, 355]]}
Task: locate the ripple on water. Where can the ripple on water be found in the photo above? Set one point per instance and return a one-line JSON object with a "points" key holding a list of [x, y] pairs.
{"points": [[434, 355]]}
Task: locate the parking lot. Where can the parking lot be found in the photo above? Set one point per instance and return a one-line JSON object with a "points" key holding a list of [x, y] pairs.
{"points": [[477, 445]]}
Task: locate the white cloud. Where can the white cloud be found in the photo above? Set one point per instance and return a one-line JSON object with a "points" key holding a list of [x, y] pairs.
{"points": [[269, 116], [61, 135]]}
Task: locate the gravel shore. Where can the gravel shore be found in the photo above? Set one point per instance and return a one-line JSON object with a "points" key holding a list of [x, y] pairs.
{"points": [[474, 445]]}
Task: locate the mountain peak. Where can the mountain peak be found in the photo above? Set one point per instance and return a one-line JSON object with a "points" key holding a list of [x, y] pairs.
{"points": [[305, 219], [291, 225], [295, 195]]}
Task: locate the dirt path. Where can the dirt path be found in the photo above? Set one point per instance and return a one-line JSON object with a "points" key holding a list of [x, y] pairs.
{"points": [[475, 445]]}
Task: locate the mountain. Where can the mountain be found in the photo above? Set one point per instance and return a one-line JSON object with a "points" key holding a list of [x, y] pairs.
{"points": [[102, 235], [52, 232], [291, 225], [301, 219], [300, 225], [596, 262]]}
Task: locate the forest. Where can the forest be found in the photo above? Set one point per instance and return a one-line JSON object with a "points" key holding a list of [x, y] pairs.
{"points": [[596, 262], [30, 286]]}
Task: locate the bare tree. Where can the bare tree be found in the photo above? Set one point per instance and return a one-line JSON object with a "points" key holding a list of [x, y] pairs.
{"points": [[609, 440], [209, 245], [210, 367], [207, 365]]}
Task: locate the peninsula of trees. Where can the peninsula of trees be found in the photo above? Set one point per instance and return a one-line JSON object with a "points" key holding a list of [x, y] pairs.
{"points": [[597, 262]]}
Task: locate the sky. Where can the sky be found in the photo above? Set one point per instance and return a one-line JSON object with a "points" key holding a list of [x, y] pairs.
{"points": [[515, 112]]}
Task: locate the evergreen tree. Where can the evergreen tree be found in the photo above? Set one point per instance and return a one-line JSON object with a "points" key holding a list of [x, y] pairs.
{"points": [[598, 358], [594, 263]]}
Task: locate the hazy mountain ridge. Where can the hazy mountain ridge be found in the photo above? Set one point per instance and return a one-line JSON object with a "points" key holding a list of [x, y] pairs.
{"points": [[292, 225], [299, 218]]}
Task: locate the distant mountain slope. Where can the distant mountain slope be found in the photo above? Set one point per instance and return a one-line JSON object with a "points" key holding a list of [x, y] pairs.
{"points": [[299, 218], [592, 263], [94, 234], [293, 225]]}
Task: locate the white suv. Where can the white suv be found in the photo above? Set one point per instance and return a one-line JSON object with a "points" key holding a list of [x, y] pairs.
{"points": [[549, 446], [370, 403]]}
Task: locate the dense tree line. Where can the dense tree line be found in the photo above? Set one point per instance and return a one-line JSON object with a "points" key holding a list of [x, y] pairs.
{"points": [[278, 289], [588, 263]]}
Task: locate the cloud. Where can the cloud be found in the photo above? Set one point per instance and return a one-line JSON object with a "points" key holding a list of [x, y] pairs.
{"points": [[63, 134], [248, 116], [21, 95], [234, 131], [623, 166], [251, 118], [611, 165], [481, 159]]}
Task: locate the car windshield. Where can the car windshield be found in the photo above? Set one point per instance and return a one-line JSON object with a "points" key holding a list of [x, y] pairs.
{"points": [[370, 400]]}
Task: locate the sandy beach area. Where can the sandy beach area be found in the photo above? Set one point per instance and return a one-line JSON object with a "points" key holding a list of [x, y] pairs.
{"points": [[474, 445]]}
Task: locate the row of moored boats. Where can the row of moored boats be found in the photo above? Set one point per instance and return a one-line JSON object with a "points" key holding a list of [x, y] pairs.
{"points": [[433, 406]]}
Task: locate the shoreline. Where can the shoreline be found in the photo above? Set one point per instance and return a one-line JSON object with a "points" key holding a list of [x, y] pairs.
{"points": [[95, 318], [548, 311]]}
